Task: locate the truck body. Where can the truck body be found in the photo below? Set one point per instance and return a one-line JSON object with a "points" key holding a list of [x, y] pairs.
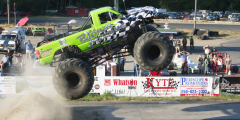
{"points": [[7, 38], [85, 40]]}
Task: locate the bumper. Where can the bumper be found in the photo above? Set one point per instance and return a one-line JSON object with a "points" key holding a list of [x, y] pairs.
{"points": [[5, 48]]}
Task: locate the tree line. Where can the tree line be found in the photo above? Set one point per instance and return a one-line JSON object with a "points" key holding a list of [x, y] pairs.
{"points": [[39, 6]]}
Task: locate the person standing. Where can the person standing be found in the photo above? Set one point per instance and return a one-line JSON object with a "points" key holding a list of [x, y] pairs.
{"points": [[184, 42], [177, 45], [228, 63], [214, 64], [109, 68], [206, 66], [208, 59], [214, 52], [10, 56], [191, 43], [206, 50], [200, 64], [17, 43], [29, 48], [122, 62]]}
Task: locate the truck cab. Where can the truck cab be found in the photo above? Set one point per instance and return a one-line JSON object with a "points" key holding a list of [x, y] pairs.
{"points": [[86, 38], [7, 38]]}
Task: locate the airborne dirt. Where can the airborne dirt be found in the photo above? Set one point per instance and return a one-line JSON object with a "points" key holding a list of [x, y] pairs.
{"points": [[32, 106]]}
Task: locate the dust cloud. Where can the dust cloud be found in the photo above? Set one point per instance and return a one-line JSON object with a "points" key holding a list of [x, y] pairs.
{"points": [[32, 106]]}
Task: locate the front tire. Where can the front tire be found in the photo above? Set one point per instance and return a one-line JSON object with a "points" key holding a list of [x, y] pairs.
{"points": [[153, 51], [73, 78]]}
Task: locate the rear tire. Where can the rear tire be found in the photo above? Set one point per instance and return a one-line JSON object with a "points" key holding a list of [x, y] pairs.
{"points": [[73, 78], [153, 51]]}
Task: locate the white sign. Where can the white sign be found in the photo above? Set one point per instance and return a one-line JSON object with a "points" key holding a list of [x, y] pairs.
{"points": [[7, 86], [200, 86], [141, 86], [76, 11]]}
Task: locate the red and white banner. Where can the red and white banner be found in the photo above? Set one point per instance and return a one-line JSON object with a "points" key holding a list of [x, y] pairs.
{"points": [[141, 86]]}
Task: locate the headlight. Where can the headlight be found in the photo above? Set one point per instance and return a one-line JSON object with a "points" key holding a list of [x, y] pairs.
{"points": [[12, 45]]}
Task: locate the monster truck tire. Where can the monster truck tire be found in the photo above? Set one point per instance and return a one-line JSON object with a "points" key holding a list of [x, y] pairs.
{"points": [[135, 34], [153, 51], [73, 78]]}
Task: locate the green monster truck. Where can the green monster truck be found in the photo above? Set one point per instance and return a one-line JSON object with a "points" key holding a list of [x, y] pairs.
{"points": [[105, 31]]}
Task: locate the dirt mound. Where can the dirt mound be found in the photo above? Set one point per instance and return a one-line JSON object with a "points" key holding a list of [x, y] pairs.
{"points": [[32, 106]]}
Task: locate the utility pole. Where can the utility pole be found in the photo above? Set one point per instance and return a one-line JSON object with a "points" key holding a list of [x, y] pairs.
{"points": [[116, 5], [15, 21], [195, 15], [8, 11]]}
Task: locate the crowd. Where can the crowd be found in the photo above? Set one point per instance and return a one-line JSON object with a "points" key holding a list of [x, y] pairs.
{"points": [[7, 59], [208, 63], [108, 63]]}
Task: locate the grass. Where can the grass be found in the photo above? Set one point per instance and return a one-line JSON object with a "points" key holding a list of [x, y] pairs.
{"points": [[110, 97]]}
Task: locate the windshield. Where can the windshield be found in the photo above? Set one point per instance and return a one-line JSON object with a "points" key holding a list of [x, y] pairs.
{"points": [[235, 15], [87, 24], [7, 37]]}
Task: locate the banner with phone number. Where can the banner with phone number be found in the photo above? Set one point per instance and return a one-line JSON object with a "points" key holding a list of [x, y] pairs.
{"points": [[199, 86]]}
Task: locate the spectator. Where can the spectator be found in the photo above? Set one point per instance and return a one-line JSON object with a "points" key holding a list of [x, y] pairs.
{"points": [[135, 68], [10, 56], [214, 64], [184, 55], [184, 42], [191, 43], [214, 52], [29, 48], [109, 68], [4, 62], [228, 63], [206, 66], [171, 40], [207, 50], [17, 43], [208, 59], [177, 45], [122, 62], [19, 59], [200, 64]]}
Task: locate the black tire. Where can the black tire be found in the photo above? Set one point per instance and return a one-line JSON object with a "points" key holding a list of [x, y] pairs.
{"points": [[136, 33], [73, 78], [153, 51]]}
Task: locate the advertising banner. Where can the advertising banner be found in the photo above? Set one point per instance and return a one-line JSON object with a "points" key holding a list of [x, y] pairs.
{"points": [[7, 86], [230, 85], [141, 86], [120, 86], [159, 86], [96, 86], [200, 86]]}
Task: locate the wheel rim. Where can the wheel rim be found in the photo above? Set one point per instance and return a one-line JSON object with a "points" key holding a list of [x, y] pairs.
{"points": [[153, 52], [73, 79]]}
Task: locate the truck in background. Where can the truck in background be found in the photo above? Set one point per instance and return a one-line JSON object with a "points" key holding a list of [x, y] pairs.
{"points": [[7, 38]]}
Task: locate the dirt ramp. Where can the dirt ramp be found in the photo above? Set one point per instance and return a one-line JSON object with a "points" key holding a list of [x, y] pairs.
{"points": [[33, 106]]}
